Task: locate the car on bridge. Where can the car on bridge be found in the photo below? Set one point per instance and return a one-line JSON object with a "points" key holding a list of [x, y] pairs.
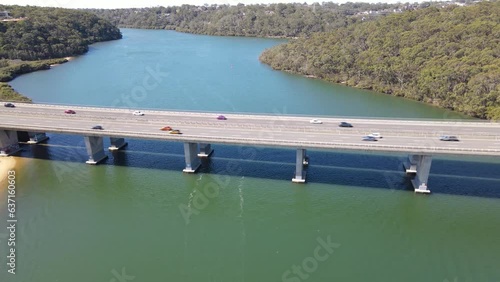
{"points": [[221, 117], [138, 113], [369, 138], [9, 105], [448, 138], [175, 131], [97, 127], [375, 135], [345, 124], [166, 128], [315, 121], [71, 112]]}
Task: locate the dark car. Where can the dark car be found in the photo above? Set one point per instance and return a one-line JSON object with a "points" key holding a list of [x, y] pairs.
{"points": [[175, 131], [369, 138], [9, 105], [345, 124], [221, 117], [448, 138], [71, 112], [97, 127]]}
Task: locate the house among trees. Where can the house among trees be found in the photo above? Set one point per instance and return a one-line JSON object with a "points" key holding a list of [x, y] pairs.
{"points": [[6, 17], [4, 14]]}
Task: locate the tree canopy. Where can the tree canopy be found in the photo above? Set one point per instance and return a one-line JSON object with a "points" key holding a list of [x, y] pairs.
{"points": [[274, 20], [448, 57], [42, 33]]}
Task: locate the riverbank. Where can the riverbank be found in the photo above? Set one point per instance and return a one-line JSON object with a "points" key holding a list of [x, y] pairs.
{"points": [[67, 60], [14, 68]]}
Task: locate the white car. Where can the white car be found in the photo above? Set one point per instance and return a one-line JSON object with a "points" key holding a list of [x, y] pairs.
{"points": [[375, 135], [138, 113], [315, 121]]}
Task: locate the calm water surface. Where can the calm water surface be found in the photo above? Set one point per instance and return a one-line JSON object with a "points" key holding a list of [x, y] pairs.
{"points": [[240, 218]]}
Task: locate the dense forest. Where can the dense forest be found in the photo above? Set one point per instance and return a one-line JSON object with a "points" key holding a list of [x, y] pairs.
{"points": [[35, 33], [448, 57], [274, 20]]}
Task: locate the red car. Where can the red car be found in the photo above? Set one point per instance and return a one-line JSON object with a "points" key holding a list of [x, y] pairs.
{"points": [[166, 128], [70, 112]]}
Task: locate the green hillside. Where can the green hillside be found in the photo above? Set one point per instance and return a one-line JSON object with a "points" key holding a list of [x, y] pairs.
{"points": [[449, 57], [273, 20], [37, 33]]}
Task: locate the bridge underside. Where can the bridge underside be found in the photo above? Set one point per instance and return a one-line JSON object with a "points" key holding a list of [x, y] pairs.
{"points": [[418, 165]]}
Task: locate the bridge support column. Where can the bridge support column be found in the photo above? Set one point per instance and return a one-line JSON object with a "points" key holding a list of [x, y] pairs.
{"points": [[420, 166], [190, 154], [36, 137], [8, 143], [117, 143], [95, 149], [205, 150], [306, 159], [300, 175]]}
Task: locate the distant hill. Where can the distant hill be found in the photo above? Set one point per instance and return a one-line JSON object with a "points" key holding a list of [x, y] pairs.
{"points": [[35, 33], [274, 20], [449, 57]]}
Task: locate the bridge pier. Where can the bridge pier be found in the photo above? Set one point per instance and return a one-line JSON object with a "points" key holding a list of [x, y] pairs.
{"points": [[190, 155], [95, 149], [300, 162], [420, 166], [205, 150], [36, 137], [30, 137], [305, 162], [8, 143], [117, 143]]}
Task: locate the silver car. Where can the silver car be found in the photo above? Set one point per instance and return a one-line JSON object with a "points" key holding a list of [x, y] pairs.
{"points": [[448, 138]]}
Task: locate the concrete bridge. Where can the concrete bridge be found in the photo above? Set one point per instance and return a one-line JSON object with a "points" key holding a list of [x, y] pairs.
{"points": [[419, 138]]}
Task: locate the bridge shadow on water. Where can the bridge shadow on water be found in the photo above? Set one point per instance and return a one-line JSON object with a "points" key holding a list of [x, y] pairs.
{"points": [[469, 176]]}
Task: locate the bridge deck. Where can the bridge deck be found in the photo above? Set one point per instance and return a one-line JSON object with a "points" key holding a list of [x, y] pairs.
{"points": [[476, 138]]}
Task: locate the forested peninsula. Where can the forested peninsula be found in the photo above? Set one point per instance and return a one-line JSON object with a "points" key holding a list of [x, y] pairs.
{"points": [[449, 57], [273, 20], [33, 38]]}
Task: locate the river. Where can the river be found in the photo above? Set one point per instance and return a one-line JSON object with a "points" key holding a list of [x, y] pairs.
{"points": [[137, 217]]}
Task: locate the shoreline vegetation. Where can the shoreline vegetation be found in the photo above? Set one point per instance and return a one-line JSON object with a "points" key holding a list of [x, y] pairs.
{"points": [[10, 69], [281, 20], [36, 38], [447, 57], [433, 52]]}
